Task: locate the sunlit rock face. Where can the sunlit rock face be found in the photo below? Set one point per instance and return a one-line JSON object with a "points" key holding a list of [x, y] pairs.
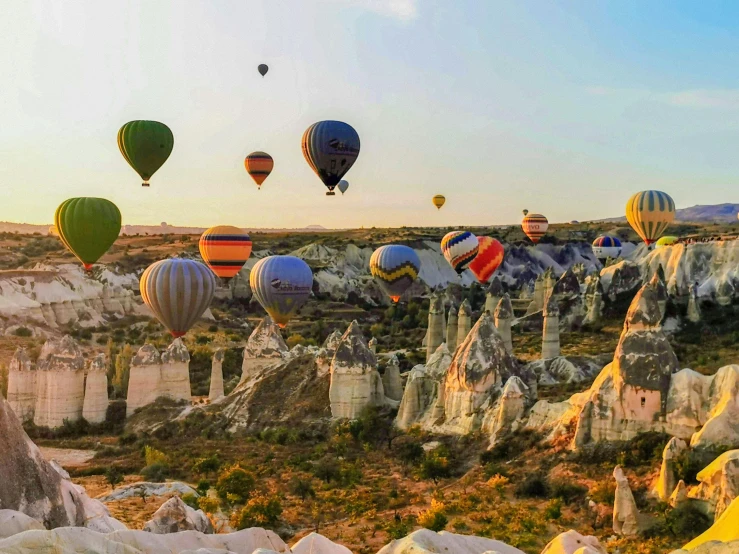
{"points": [[264, 347], [95, 403], [423, 400], [326, 353], [508, 414], [435, 332], [215, 392], [174, 516], [355, 381], [391, 381], [503, 316], [22, 385], [60, 383], [718, 484]]}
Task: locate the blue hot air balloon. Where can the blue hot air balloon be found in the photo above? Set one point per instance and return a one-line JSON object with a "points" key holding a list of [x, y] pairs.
{"points": [[281, 284], [606, 246], [395, 267], [330, 148]]}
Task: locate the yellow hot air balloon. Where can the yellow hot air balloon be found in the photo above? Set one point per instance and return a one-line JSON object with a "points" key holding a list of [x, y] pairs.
{"points": [[649, 213], [667, 240], [439, 200]]}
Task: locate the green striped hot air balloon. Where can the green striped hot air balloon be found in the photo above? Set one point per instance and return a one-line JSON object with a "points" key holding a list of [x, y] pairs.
{"points": [[146, 145], [88, 227]]}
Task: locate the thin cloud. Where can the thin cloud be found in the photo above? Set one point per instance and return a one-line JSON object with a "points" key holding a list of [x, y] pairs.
{"points": [[404, 10], [720, 99]]}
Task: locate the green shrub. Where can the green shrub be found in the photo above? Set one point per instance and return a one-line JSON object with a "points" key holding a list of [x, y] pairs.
{"points": [[156, 473], [154, 456], [553, 511], [191, 500], [301, 487], [235, 485], [23, 332], [260, 511], [327, 469], [534, 485], [567, 491], [435, 465], [210, 464]]}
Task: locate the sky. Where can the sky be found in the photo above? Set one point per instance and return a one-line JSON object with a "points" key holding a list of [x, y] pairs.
{"points": [[563, 108]]}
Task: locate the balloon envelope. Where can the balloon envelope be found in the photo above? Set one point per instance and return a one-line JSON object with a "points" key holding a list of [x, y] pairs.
{"points": [[649, 213], [262, 68], [606, 246], [395, 267], [281, 284], [459, 249], [535, 226], [489, 257], [330, 148], [667, 240], [88, 227], [225, 249], [343, 186], [178, 291], [439, 200], [259, 165], [145, 145]]}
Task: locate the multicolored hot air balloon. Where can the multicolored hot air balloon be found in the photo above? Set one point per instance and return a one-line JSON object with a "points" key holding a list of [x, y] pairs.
{"points": [[606, 246], [145, 145], [281, 284], [262, 68], [459, 249], [535, 226], [649, 213], [489, 257], [225, 249], [395, 267], [667, 240], [330, 148], [439, 200], [343, 186], [178, 291], [259, 165], [88, 227]]}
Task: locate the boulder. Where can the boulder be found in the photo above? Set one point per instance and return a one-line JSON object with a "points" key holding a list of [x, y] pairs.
{"points": [[174, 516], [572, 542], [148, 489], [452, 327], [550, 333], [327, 351], [318, 544], [679, 495], [509, 411], [215, 391], [12, 523], [503, 315], [464, 321], [625, 512], [425, 541]]}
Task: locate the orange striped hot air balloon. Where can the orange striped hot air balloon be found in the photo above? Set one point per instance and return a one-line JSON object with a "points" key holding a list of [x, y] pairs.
{"points": [[225, 249], [489, 257], [535, 226], [259, 165]]}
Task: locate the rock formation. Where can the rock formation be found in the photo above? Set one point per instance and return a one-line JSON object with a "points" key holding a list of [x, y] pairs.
{"points": [[22, 385], [503, 318], [372, 344], [694, 310], [423, 399], [326, 353], [153, 375], [724, 531], [493, 295], [625, 513], [572, 542], [355, 382], [593, 300], [60, 384], [264, 347], [679, 495], [666, 481], [216, 376], [718, 484], [452, 327], [95, 403], [425, 541], [435, 333], [174, 516], [550, 334], [318, 544], [464, 322], [391, 381], [12, 523], [508, 414], [660, 292]]}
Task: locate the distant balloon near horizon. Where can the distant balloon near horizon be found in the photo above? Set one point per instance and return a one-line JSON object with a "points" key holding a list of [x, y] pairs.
{"points": [[262, 68], [535, 226], [88, 227], [489, 257], [225, 249], [259, 165], [606, 246], [439, 200], [649, 213], [395, 267], [330, 148], [667, 240], [145, 145], [281, 284], [459, 249], [525, 212], [343, 186], [178, 291]]}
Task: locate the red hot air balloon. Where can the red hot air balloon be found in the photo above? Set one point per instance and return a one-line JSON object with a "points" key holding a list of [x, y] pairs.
{"points": [[489, 257]]}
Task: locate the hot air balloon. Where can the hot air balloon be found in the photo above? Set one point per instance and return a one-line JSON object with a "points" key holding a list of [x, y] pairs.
{"points": [[343, 186], [395, 267], [281, 284], [459, 249], [259, 165], [649, 213], [489, 257], [262, 68], [525, 212], [225, 249], [146, 145], [178, 291], [667, 240], [535, 226], [606, 246], [330, 148], [439, 200], [88, 227]]}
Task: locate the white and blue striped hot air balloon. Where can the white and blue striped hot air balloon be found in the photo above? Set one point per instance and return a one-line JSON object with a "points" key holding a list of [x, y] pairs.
{"points": [[281, 284], [395, 267], [459, 249], [606, 246], [330, 148]]}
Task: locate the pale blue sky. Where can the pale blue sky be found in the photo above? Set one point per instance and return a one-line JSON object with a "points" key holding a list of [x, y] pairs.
{"points": [[564, 108]]}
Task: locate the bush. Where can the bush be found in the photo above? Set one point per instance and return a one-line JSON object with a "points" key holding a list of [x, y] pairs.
{"points": [[204, 466], [191, 500], [156, 473], [410, 452], [113, 476], [567, 491], [208, 504], [553, 511], [154, 456], [687, 521], [511, 446], [435, 465], [260, 511], [603, 492], [535, 485], [434, 517], [301, 487], [235, 485], [327, 469], [23, 332]]}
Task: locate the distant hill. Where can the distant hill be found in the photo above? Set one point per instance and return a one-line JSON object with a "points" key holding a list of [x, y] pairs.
{"points": [[28, 229], [713, 212]]}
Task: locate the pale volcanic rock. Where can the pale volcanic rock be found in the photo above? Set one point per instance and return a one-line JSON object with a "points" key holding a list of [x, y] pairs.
{"points": [[435, 331], [493, 295], [625, 512], [593, 300], [174, 516], [422, 399], [464, 322], [718, 483], [572, 542], [318, 544], [391, 381], [326, 354], [355, 382], [264, 347], [148, 489], [666, 481], [620, 278], [22, 385], [679, 495], [216, 376], [550, 334], [95, 404], [60, 383], [452, 327], [12, 523], [425, 541], [722, 537], [508, 413], [503, 316]]}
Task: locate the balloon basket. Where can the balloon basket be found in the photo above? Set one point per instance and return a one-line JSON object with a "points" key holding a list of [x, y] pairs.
{"points": [[330, 193]]}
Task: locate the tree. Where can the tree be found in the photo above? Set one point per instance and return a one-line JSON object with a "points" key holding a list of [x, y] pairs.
{"points": [[113, 476], [111, 351], [235, 485], [122, 370], [260, 511], [302, 488]]}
